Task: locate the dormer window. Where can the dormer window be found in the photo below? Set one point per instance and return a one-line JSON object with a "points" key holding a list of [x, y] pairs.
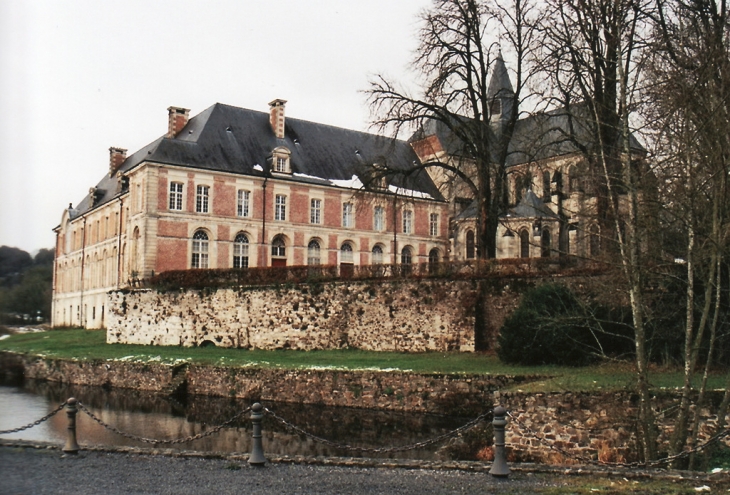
{"points": [[280, 160], [496, 107]]}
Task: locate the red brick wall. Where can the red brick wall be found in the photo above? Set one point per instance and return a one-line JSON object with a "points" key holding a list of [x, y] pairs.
{"points": [[427, 147], [167, 228], [224, 198], [364, 215], [299, 205], [332, 211], [420, 221], [172, 254]]}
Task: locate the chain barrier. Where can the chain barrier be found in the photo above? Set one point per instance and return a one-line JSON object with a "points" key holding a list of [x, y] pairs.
{"points": [[380, 450], [35, 423], [645, 464], [213, 430]]}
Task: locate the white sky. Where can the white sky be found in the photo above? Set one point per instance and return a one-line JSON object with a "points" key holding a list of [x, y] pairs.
{"points": [[79, 76]]}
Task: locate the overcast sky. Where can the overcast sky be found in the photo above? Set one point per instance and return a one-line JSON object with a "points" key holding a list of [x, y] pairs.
{"points": [[79, 76]]}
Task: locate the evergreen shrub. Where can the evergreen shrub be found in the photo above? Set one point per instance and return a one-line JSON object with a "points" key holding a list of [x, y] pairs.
{"points": [[550, 326]]}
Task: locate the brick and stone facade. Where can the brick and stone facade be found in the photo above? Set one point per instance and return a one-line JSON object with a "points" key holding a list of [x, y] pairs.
{"points": [[234, 188]]}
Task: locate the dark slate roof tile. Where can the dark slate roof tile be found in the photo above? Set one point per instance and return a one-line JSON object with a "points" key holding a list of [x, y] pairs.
{"points": [[225, 138]]}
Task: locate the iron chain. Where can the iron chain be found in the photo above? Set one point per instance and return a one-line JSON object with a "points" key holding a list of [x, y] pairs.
{"points": [[34, 423], [715, 438], [380, 450], [213, 430]]}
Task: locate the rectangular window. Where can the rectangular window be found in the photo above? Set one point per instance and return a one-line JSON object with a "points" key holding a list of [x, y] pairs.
{"points": [[433, 224], [379, 219], [176, 195], [280, 165], [280, 207], [315, 211], [201, 199], [407, 221], [347, 220], [243, 203]]}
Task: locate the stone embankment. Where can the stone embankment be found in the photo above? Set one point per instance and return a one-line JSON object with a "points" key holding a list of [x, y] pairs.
{"points": [[590, 425]]}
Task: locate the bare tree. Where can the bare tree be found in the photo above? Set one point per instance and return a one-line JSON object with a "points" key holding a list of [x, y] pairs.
{"points": [[691, 67], [461, 68], [593, 55]]}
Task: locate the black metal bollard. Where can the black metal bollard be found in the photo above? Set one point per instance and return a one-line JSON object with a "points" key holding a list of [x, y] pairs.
{"points": [[499, 469], [257, 449], [71, 446]]}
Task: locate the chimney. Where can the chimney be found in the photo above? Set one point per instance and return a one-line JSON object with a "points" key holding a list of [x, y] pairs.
{"points": [[276, 117], [177, 118], [116, 158]]}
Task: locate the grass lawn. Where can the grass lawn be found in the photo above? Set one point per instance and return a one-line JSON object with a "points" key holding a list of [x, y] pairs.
{"points": [[91, 344]]}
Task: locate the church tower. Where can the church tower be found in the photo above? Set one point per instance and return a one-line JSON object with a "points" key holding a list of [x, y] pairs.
{"points": [[500, 94]]}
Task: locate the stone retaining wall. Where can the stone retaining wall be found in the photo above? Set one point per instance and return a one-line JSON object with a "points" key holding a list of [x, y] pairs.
{"points": [[380, 316], [593, 425]]}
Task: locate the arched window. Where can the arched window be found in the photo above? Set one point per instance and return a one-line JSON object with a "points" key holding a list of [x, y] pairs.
{"points": [[200, 250], [313, 253], [433, 260], [278, 247], [524, 244], [240, 251], [546, 196], [346, 254], [377, 255], [545, 243], [594, 240], [470, 244], [406, 256]]}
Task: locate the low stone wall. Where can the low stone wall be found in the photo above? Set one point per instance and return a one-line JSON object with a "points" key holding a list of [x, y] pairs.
{"points": [[419, 392], [594, 426], [152, 377], [433, 315], [590, 425]]}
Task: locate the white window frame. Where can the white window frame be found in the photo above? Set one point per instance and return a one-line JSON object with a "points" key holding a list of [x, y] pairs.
{"points": [[433, 224], [176, 196], [240, 250], [347, 253], [200, 250], [280, 207], [314, 253], [378, 255], [407, 222], [379, 219], [348, 219], [202, 198], [243, 203], [315, 211]]}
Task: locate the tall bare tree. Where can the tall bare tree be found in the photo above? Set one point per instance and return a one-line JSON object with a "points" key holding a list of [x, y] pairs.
{"points": [[593, 55], [457, 58], [691, 70]]}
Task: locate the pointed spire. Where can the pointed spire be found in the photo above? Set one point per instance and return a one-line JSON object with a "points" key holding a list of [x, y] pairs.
{"points": [[500, 84]]}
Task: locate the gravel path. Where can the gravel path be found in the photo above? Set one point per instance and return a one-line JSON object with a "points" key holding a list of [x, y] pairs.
{"points": [[47, 471]]}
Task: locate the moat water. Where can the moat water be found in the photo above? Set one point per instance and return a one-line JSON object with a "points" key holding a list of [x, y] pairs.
{"points": [[155, 416]]}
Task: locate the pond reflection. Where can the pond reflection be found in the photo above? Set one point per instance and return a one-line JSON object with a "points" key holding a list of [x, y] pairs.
{"points": [[155, 416]]}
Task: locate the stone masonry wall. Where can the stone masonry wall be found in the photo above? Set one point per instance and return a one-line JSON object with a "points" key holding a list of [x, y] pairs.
{"points": [[384, 315], [418, 316], [589, 425]]}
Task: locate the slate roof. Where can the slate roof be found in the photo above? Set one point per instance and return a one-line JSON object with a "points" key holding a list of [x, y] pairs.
{"points": [[500, 83], [530, 207], [536, 137], [225, 138]]}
